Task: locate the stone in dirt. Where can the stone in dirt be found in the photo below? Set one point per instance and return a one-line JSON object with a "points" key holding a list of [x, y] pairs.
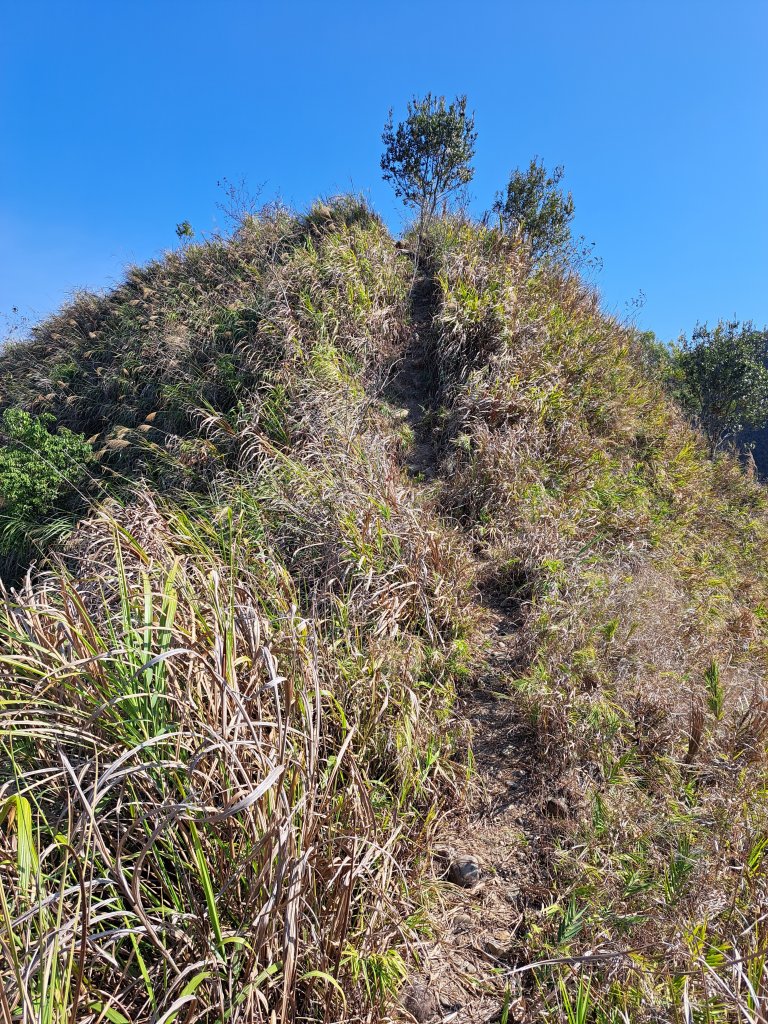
{"points": [[420, 1000], [463, 923], [499, 944], [556, 807], [464, 871]]}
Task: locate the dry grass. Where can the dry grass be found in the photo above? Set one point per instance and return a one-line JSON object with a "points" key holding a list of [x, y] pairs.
{"points": [[190, 823], [226, 723], [227, 715], [639, 568]]}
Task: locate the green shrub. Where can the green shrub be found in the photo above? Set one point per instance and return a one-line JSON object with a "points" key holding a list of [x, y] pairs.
{"points": [[38, 468], [536, 210]]}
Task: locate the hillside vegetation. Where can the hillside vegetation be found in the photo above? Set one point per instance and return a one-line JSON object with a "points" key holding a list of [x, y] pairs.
{"points": [[320, 529]]}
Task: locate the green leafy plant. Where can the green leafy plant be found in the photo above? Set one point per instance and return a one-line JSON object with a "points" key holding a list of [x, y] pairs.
{"points": [[679, 869], [535, 209], [184, 231], [571, 923], [577, 1007], [380, 973], [39, 466], [715, 690]]}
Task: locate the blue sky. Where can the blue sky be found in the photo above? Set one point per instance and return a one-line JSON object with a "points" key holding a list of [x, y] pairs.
{"points": [[118, 119]]}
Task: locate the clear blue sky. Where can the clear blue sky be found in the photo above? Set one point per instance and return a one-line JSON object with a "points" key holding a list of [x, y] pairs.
{"points": [[118, 119]]}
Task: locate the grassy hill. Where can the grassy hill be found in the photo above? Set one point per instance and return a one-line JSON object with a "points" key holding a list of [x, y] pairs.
{"points": [[372, 565]]}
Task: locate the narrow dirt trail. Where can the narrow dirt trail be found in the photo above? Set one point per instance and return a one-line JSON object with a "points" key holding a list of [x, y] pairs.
{"points": [[412, 389], [466, 968]]}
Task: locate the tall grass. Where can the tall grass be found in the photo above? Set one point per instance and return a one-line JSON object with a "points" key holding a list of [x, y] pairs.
{"points": [[187, 825]]}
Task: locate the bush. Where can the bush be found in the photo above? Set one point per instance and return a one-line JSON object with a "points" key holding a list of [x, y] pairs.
{"points": [[38, 468], [720, 379], [535, 209]]}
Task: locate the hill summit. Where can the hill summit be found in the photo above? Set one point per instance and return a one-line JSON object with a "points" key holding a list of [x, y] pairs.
{"points": [[378, 640]]}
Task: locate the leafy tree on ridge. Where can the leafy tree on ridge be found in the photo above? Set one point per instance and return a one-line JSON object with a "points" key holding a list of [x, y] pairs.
{"points": [[537, 210], [427, 157]]}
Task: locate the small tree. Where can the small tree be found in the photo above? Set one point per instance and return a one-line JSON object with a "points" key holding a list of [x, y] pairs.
{"points": [[720, 377], [184, 231], [536, 210], [427, 157]]}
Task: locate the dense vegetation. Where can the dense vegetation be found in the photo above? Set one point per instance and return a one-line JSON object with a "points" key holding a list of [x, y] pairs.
{"points": [[37, 468], [720, 378], [233, 678]]}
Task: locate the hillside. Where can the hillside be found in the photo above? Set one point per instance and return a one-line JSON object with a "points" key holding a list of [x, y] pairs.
{"points": [[396, 651]]}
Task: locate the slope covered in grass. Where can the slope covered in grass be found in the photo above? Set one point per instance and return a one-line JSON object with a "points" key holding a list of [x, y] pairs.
{"points": [[237, 679], [639, 568]]}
